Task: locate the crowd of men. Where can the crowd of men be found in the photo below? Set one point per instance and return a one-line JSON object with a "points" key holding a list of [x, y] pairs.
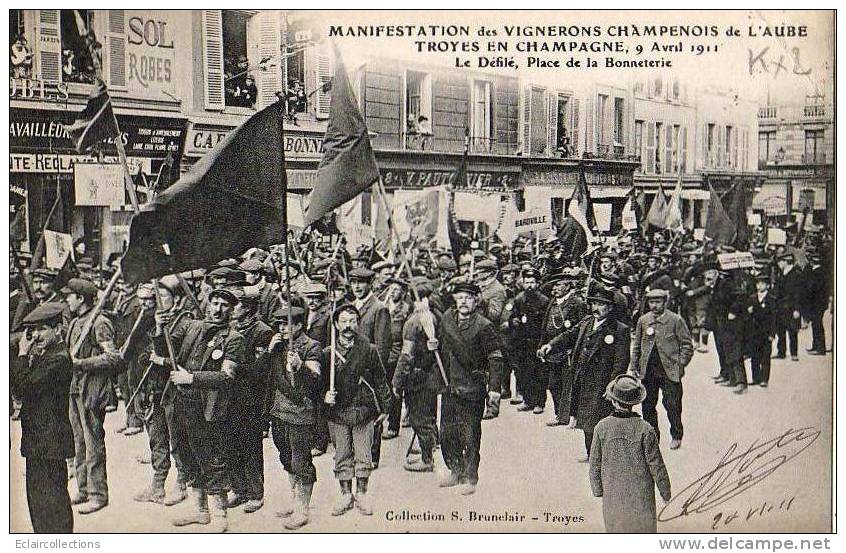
{"points": [[328, 348]]}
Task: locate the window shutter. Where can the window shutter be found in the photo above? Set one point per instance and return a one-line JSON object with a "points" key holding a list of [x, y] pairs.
{"points": [[721, 145], [574, 128], [324, 75], [526, 123], [590, 131], [650, 147], [49, 46], [683, 148], [116, 49], [213, 59], [552, 128], [264, 53], [668, 150], [706, 159]]}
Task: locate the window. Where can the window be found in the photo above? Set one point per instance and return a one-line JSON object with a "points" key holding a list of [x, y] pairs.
{"points": [[638, 139], [418, 109], [601, 138], [676, 90], [563, 145], [651, 141], [78, 65], [659, 128], [481, 122], [657, 87], [710, 143], [670, 149], [618, 121], [813, 146], [683, 150], [538, 137], [240, 88], [295, 91], [766, 145], [730, 147], [20, 51]]}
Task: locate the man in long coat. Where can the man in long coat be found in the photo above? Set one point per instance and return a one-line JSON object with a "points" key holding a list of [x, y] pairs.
{"points": [[600, 348]]}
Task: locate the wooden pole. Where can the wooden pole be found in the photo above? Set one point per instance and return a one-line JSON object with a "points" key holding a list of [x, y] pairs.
{"points": [[94, 312], [24, 283], [383, 196]]}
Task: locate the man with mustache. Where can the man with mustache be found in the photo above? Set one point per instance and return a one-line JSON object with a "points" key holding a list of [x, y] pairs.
{"points": [[40, 377], [600, 347], [474, 366], [208, 354], [357, 404]]}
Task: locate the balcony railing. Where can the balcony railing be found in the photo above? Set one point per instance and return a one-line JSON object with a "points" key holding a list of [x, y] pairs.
{"points": [[814, 112], [418, 141], [810, 159], [607, 151], [767, 112], [481, 144]]}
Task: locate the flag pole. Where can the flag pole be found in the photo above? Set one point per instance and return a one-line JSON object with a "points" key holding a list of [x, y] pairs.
{"points": [[383, 195], [18, 265]]}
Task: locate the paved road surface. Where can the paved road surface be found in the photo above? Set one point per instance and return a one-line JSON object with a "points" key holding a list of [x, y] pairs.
{"points": [[529, 470]]}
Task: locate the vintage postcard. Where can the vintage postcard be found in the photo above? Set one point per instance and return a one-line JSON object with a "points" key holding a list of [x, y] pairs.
{"points": [[421, 271]]}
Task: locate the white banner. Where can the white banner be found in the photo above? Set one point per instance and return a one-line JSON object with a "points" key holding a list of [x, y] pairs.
{"points": [[629, 216], [776, 237], [98, 184], [295, 204], [57, 246], [602, 213]]}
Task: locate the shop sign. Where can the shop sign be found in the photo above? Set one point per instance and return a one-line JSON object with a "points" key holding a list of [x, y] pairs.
{"points": [[99, 184], [36, 89], [150, 52], [297, 146], [43, 131], [571, 178], [425, 178], [64, 163]]}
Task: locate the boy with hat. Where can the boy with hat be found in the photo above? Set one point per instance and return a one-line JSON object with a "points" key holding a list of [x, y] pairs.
{"points": [[40, 378], [763, 316], [317, 325], [91, 390], [295, 381], [626, 464]]}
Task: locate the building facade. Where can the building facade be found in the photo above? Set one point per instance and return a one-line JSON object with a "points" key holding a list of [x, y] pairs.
{"points": [[796, 152]]}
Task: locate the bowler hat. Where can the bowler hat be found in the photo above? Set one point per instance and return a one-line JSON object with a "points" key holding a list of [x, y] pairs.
{"points": [[625, 389]]}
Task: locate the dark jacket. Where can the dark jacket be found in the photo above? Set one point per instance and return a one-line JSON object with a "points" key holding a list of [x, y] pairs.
{"points": [[561, 318], [360, 384], [294, 398], [762, 322], [196, 343], [250, 382], [526, 317], [319, 328], [598, 356], [375, 325], [417, 369], [471, 354], [42, 382], [94, 368]]}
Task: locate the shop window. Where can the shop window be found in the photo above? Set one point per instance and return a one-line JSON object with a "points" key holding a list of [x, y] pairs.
{"points": [[481, 117], [78, 65], [418, 109], [20, 51]]}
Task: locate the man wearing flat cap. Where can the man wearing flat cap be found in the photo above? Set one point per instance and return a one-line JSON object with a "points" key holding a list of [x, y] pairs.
{"points": [[209, 353], [473, 361], [525, 326], [317, 325], [40, 376], [247, 411], [375, 325], [43, 290], [295, 386], [94, 365], [600, 351], [661, 351], [493, 298]]}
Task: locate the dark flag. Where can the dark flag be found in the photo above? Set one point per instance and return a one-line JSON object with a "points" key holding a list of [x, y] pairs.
{"points": [[459, 242], [230, 200], [741, 221], [719, 226], [17, 228], [576, 232], [67, 272], [658, 211], [348, 166], [96, 122]]}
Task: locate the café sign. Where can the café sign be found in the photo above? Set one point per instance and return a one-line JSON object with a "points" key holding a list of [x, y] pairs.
{"points": [[297, 146]]}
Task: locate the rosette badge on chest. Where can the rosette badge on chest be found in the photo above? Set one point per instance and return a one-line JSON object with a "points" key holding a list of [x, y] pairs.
{"points": [[609, 339], [217, 354], [650, 331]]}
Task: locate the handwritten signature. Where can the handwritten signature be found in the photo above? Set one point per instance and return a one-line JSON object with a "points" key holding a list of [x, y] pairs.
{"points": [[738, 470]]}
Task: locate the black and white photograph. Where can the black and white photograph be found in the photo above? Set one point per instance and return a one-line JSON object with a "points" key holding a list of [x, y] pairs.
{"points": [[418, 271]]}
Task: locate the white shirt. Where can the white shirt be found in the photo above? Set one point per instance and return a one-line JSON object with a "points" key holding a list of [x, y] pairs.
{"points": [[597, 323]]}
